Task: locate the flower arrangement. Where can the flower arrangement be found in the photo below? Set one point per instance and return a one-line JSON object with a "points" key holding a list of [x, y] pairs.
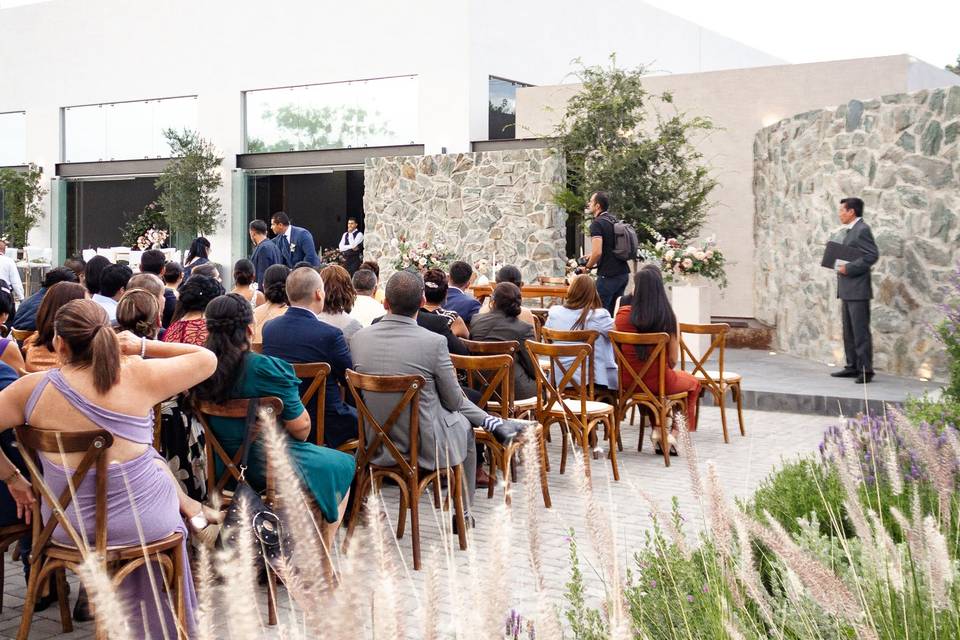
{"points": [[152, 238], [679, 260], [420, 256], [330, 256]]}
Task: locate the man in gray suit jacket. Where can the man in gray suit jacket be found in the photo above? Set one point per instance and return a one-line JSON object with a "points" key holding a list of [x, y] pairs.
{"points": [[398, 346], [855, 290]]}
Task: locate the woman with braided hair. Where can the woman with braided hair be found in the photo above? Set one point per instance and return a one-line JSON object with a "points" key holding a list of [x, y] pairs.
{"points": [[275, 290], [241, 373], [187, 325]]}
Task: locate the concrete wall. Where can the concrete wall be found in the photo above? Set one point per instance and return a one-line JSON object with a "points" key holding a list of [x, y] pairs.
{"points": [[902, 155], [65, 53], [741, 102]]}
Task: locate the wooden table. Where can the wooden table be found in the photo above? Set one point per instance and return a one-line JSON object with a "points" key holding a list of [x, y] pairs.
{"points": [[558, 291]]}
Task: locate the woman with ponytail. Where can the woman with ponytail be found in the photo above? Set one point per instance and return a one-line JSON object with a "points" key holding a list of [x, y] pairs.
{"points": [[275, 290], [104, 383], [241, 373]]}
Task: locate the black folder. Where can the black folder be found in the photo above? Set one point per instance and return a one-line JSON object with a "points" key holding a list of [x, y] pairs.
{"points": [[835, 251]]}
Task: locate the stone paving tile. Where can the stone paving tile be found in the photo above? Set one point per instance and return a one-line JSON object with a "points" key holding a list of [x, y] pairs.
{"points": [[741, 465]]}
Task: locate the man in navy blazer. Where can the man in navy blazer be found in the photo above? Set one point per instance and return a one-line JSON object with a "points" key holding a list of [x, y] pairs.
{"points": [[463, 303], [295, 243], [298, 336]]}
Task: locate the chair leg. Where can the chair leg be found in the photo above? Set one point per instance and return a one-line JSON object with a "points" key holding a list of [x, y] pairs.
{"points": [[563, 450], [458, 506], [723, 415], [664, 436], [402, 516], [613, 450], [495, 463], [643, 427], [33, 586], [179, 560], [271, 595], [505, 468], [358, 500], [415, 520], [738, 394], [66, 622], [436, 493], [585, 450], [544, 489]]}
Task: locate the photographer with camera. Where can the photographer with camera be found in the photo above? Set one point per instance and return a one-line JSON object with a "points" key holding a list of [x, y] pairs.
{"points": [[613, 272]]}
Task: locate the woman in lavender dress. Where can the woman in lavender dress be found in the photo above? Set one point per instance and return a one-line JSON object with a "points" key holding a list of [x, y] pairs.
{"points": [[104, 384]]}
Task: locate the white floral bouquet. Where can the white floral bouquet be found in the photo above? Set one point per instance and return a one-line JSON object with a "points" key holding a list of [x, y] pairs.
{"points": [[679, 260], [420, 256], [152, 238]]}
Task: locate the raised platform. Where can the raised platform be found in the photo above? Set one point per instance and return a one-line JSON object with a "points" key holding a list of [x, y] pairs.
{"points": [[778, 382]]}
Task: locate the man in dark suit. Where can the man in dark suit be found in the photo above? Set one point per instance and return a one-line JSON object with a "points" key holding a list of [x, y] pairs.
{"points": [[265, 253], [298, 336], [295, 243], [26, 318], [458, 300], [854, 289]]}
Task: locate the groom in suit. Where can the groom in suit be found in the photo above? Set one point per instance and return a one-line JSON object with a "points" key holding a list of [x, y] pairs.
{"points": [[295, 243], [855, 291]]}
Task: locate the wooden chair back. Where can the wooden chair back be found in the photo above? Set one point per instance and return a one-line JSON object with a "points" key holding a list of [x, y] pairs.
{"points": [[631, 378], [234, 409], [316, 373], [20, 335], [93, 444], [549, 391], [492, 376], [586, 336], [408, 387], [718, 344], [505, 347]]}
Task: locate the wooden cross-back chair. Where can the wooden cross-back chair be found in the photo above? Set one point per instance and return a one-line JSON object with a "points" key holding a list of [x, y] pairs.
{"points": [[718, 382], [51, 558], [549, 280], [493, 376], [218, 484], [20, 335], [519, 407], [316, 373], [634, 392], [577, 415], [8, 535], [404, 469]]}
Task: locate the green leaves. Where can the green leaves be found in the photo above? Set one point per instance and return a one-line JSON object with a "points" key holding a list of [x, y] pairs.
{"points": [[188, 186], [21, 192]]}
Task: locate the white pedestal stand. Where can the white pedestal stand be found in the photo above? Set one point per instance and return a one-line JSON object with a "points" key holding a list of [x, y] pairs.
{"points": [[691, 304]]}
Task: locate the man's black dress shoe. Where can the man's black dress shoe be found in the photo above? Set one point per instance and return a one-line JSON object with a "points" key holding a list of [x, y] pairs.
{"points": [[845, 373], [864, 378], [468, 519]]}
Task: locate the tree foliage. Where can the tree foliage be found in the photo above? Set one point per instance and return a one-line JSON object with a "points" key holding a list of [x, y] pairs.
{"points": [[22, 193], [618, 137], [955, 68], [188, 186], [306, 128]]}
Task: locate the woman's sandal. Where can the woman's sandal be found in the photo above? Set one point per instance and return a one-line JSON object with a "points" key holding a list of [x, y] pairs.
{"points": [[655, 438], [206, 526]]}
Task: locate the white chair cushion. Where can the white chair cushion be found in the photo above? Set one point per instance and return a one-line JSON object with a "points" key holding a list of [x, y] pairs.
{"points": [[728, 376], [574, 406]]}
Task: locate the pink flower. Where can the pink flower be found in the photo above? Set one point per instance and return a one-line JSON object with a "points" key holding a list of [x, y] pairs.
{"points": [[687, 263]]}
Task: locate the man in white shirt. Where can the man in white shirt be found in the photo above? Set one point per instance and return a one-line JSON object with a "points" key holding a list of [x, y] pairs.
{"points": [[366, 309], [113, 282], [9, 273], [351, 246]]}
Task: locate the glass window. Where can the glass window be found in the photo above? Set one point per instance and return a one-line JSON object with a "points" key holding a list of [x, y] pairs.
{"points": [[124, 130], [13, 138], [503, 108], [336, 115]]}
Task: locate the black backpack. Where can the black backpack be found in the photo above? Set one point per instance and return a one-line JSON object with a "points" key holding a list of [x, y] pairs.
{"points": [[625, 243]]}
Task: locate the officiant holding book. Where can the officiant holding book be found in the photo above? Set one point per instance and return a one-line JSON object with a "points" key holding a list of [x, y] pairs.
{"points": [[855, 291]]}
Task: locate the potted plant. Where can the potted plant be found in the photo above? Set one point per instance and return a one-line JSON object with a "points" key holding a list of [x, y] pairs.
{"points": [[188, 186]]}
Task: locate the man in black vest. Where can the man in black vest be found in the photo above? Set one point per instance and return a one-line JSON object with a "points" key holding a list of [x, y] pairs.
{"points": [[855, 290], [351, 246]]}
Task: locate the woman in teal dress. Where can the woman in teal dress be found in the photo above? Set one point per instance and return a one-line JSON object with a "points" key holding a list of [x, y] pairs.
{"points": [[326, 473]]}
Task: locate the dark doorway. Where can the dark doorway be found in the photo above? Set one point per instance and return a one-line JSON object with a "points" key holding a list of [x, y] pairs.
{"points": [[318, 202], [97, 210]]}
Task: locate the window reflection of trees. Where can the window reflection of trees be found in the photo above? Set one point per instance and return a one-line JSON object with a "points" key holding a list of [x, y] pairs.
{"points": [[304, 128]]}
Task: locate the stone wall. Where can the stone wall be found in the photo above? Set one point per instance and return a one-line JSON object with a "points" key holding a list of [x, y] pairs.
{"points": [[901, 154], [497, 203]]}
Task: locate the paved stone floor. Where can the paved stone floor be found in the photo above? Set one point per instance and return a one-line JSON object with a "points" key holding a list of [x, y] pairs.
{"points": [[741, 465]]}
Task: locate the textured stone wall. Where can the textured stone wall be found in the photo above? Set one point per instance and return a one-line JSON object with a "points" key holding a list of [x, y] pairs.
{"points": [[497, 203], [901, 154]]}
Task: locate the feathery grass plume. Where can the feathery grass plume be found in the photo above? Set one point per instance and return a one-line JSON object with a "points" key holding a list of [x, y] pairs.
{"points": [[689, 453], [719, 517], [823, 586], [891, 561], [206, 609], [676, 535], [387, 608], [732, 632], [940, 568], [748, 574], [495, 593], [892, 466], [939, 461], [431, 598], [238, 567], [111, 613], [531, 490]]}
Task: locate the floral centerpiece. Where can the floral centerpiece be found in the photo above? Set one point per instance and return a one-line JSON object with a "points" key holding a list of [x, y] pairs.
{"points": [[152, 238], [331, 256], [680, 260], [143, 231], [420, 256]]}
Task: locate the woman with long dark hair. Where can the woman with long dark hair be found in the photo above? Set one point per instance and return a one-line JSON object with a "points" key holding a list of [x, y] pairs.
{"points": [[275, 291], [9, 349], [244, 283], [503, 324], [241, 373], [197, 254], [649, 311], [39, 349], [187, 325]]}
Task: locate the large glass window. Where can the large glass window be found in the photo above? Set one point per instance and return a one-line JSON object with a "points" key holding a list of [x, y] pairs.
{"points": [[336, 115], [13, 138], [503, 108], [124, 130]]}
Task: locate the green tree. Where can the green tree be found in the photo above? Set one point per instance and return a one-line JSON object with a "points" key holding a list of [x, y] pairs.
{"points": [[955, 68], [618, 137], [21, 192], [188, 186], [306, 128]]}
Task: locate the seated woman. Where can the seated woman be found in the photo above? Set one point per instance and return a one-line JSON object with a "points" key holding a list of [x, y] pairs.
{"points": [[244, 276], [503, 323], [511, 274], [326, 473], [39, 347], [582, 310], [435, 291], [338, 298], [104, 384], [275, 290], [649, 311], [188, 326], [139, 313], [197, 254], [9, 349]]}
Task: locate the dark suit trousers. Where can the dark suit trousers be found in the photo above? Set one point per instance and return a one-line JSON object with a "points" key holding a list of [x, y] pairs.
{"points": [[857, 341]]}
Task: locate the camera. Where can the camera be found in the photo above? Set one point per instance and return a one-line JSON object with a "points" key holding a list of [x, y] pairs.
{"points": [[582, 261]]}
